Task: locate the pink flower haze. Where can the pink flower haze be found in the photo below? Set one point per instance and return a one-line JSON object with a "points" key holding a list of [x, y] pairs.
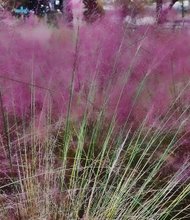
{"points": [[137, 72]]}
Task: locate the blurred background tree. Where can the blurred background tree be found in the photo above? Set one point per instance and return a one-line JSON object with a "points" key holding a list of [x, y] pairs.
{"points": [[131, 7], [10, 4]]}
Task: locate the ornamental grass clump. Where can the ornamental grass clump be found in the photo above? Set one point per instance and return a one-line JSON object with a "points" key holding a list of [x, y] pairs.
{"points": [[94, 121]]}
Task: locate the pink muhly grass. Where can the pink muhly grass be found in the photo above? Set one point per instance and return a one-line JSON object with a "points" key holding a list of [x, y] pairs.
{"points": [[133, 75], [117, 59]]}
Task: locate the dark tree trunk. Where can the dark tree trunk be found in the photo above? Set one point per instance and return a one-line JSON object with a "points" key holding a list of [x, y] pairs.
{"points": [[159, 10], [159, 6]]}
